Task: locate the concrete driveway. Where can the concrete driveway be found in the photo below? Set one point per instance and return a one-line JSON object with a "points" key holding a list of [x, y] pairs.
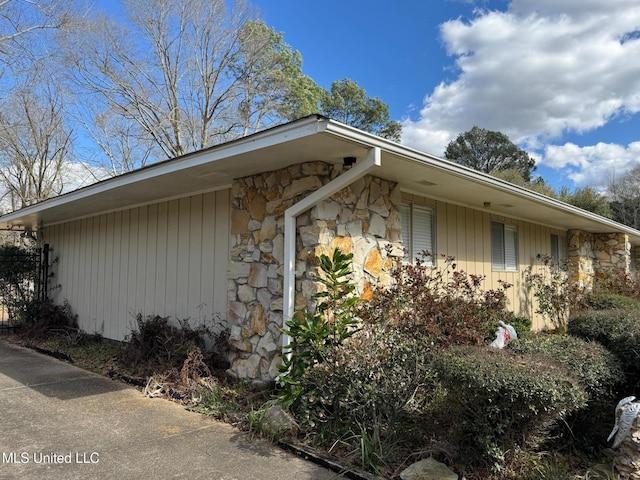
{"points": [[61, 422]]}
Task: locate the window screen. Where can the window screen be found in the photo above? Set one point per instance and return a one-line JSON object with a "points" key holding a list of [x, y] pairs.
{"points": [[504, 247], [417, 231], [558, 248]]}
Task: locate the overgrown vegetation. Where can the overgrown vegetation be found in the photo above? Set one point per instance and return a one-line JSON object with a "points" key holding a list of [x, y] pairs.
{"points": [[548, 283], [417, 371], [40, 317], [27, 307], [599, 372], [313, 335], [410, 375], [618, 330], [17, 275], [416, 377], [446, 305], [497, 401], [157, 341]]}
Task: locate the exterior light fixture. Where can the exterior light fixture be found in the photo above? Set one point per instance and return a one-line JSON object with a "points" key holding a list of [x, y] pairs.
{"points": [[348, 162]]}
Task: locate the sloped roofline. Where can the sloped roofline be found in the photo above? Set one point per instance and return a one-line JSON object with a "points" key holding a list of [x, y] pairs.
{"points": [[290, 142], [477, 176]]}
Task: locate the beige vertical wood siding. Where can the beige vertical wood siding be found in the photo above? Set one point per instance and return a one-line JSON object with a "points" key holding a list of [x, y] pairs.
{"points": [[167, 259], [465, 234]]}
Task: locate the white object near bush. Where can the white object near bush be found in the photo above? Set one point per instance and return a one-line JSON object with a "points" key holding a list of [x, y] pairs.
{"points": [[505, 334], [626, 438]]}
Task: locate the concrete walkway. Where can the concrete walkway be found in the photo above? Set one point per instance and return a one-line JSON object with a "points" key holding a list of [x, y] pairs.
{"points": [[61, 422]]}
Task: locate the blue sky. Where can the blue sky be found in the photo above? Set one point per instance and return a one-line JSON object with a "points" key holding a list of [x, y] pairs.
{"points": [[560, 77]]}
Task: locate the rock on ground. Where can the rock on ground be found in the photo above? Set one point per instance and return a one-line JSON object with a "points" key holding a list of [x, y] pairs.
{"points": [[428, 469]]}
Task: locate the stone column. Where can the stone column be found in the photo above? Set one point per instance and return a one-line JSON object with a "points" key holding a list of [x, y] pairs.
{"points": [[362, 219], [613, 253], [597, 255], [581, 259]]}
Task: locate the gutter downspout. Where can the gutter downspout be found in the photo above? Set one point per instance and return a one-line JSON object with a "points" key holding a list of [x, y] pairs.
{"points": [[291, 214]]}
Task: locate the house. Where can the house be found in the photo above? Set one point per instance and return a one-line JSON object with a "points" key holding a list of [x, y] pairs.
{"points": [[230, 232]]}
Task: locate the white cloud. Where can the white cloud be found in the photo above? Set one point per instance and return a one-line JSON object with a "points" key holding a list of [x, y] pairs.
{"points": [[534, 72], [75, 175], [80, 174], [592, 165]]}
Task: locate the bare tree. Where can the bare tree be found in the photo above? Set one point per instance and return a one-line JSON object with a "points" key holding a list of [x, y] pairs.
{"points": [[34, 142], [624, 195], [117, 138], [20, 17], [180, 76], [34, 145]]}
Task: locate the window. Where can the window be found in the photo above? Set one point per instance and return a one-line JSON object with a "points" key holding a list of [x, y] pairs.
{"points": [[417, 231], [504, 247], [558, 248]]}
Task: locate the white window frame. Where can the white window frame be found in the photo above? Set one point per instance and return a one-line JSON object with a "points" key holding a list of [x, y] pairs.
{"points": [[414, 219], [504, 247]]}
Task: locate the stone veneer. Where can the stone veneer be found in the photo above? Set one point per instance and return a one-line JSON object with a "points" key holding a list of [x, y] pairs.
{"points": [[362, 219], [597, 254]]}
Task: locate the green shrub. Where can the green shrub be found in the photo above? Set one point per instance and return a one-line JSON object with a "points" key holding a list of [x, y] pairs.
{"points": [[18, 272], [446, 305], [599, 372], [609, 301], [371, 391], [313, 335], [498, 400], [374, 377], [618, 331]]}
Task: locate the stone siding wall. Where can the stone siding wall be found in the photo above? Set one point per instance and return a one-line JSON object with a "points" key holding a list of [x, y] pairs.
{"points": [[362, 219], [593, 255]]}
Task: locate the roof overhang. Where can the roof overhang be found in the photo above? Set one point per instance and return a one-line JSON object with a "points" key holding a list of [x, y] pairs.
{"points": [[312, 138]]}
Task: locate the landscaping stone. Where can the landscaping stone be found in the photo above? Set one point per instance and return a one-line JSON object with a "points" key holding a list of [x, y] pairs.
{"points": [[428, 469], [277, 422]]}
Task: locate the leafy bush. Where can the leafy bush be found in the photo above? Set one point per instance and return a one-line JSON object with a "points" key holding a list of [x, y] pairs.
{"points": [[17, 274], [550, 287], [16, 265], [371, 390], [374, 378], [600, 373], [609, 301], [314, 334], [498, 400], [446, 305], [598, 370], [158, 342], [618, 331]]}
